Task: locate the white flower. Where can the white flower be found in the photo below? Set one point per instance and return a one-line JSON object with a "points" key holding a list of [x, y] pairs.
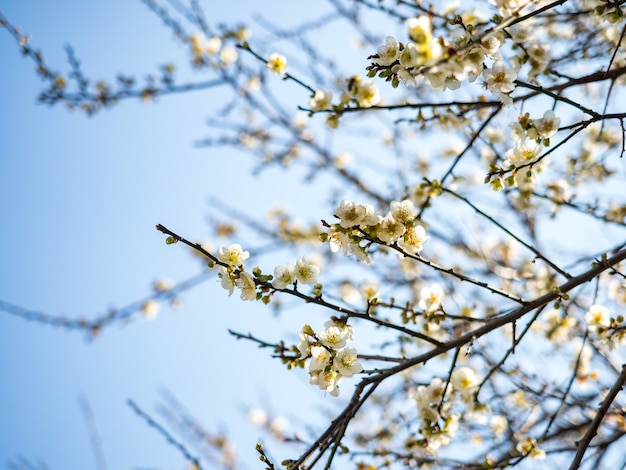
{"points": [[338, 239], [277, 63], [413, 240], [257, 416], [340, 325], [283, 276], [245, 282], [228, 55], [233, 255], [371, 218], [445, 76], [491, 43], [408, 76], [367, 94], [498, 425], [464, 378], [350, 213], [410, 57], [327, 380], [548, 125], [598, 316], [420, 29], [389, 229], [304, 346], [524, 152], [213, 45], [226, 280], [427, 398], [431, 298], [499, 78], [334, 337], [472, 62], [528, 446], [359, 253], [388, 53], [306, 272], [321, 100], [539, 58], [279, 425], [198, 42], [403, 211], [320, 358], [149, 309], [346, 362], [517, 132], [370, 290]]}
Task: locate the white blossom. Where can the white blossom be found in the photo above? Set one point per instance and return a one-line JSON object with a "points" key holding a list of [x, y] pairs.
{"points": [[320, 358], [388, 53], [499, 78], [389, 229], [431, 298], [403, 211], [232, 255], [321, 100], [346, 362], [246, 283], [334, 337], [306, 272], [464, 378], [548, 125], [283, 276]]}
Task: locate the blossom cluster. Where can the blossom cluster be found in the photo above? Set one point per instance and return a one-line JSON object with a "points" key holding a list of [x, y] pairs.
{"points": [[468, 53], [359, 221], [213, 51], [438, 423], [232, 273], [331, 359], [359, 92], [531, 136]]}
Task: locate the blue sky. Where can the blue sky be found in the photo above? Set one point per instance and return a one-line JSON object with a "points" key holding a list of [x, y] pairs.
{"points": [[81, 197]]}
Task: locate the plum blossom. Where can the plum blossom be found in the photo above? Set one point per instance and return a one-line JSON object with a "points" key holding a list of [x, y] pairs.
{"points": [[226, 279], [246, 283], [334, 337], [330, 358], [277, 63], [367, 95], [283, 276], [320, 358], [306, 272], [390, 229], [431, 298], [420, 29], [388, 52], [327, 380], [523, 153], [346, 362], [403, 211], [321, 100], [233, 255], [548, 125], [350, 213], [464, 379], [413, 240], [598, 317], [500, 80]]}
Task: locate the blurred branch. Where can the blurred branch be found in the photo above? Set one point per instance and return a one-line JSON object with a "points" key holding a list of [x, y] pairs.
{"points": [[168, 437]]}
